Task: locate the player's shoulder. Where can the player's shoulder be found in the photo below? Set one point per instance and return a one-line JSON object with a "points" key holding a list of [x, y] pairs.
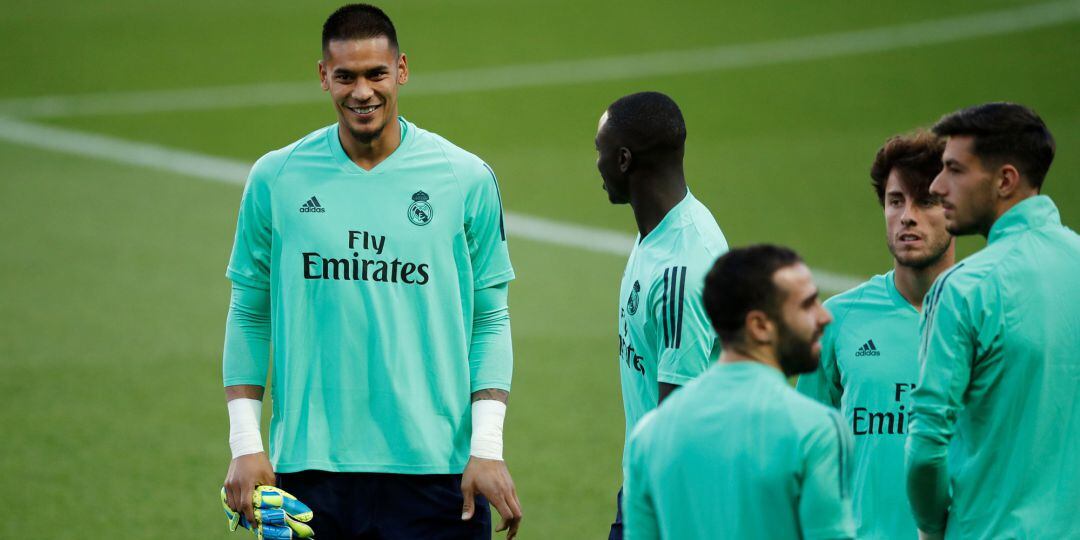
{"points": [[268, 167], [967, 277], [689, 244], [701, 232], [870, 295], [808, 415], [469, 168]]}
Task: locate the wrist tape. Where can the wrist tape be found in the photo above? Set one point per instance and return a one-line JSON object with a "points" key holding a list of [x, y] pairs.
{"points": [[487, 429], [244, 435]]}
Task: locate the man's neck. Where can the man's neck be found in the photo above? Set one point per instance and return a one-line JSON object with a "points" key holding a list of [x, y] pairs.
{"points": [[914, 283], [748, 353], [655, 198], [367, 155]]}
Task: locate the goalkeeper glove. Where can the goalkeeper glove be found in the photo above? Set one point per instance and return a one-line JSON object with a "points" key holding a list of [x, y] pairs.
{"points": [[278, 515]]}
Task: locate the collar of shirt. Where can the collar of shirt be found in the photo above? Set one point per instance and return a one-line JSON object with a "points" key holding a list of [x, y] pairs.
{"points": [[750, 369], [1033, 213], [669, 220]]}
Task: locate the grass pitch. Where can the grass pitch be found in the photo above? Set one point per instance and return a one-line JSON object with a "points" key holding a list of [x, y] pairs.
{"points": [[113, 294]]}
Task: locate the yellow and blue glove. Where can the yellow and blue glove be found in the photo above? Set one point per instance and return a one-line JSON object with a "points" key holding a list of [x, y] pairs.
{"points": [[278, 515]]}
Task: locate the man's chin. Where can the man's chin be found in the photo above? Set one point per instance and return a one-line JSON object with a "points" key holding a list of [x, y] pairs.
{"points": [[365, 134]]}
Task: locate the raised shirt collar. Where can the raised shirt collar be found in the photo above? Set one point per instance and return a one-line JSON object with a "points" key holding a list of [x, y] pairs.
{"points": [[1032, 213]]}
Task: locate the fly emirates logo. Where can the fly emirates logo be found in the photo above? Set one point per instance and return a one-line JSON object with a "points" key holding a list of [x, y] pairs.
{"points": [[887, 422], [366, 263]]}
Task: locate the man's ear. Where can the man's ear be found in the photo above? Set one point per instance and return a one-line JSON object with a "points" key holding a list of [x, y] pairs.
{"points": [[759, 327], [1008, 181], [324, 77], [625, 159], [403, 69]]}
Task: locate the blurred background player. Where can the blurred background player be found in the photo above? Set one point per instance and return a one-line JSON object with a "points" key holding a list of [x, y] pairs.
{"points": [[994, 449], [869, 354], [372, 254], [738, 453], [665, 339]]}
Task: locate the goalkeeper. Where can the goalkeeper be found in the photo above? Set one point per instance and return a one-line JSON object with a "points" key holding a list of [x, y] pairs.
{"points": [[371, 255]]}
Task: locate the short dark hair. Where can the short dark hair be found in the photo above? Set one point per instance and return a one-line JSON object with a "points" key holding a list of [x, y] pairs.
{"points": [[648, 122], [741, 281], [358, 21], [1005, 133], [917, 159]]}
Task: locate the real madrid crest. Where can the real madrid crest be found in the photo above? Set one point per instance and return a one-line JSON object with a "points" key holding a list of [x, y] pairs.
{"points": [[420, 211], [635, 296]]}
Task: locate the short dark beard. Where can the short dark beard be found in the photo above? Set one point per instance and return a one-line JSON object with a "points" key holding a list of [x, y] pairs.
{"points": [[796, 356], [925, 262]]}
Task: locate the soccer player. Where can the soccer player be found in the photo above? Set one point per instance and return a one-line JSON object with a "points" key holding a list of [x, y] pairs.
{"points": [[371, 254], [738, 453], [869, 355], [665, 339], [994, 444]]}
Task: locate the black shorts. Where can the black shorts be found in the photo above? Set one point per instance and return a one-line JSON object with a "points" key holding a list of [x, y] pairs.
{"points": [[616, 532], [379, 506]]}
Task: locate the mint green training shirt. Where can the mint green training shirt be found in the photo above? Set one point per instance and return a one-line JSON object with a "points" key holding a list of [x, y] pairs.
{"points": [[664, 333], [738, 453], [996, 414], [869, 365], [371, 277]]}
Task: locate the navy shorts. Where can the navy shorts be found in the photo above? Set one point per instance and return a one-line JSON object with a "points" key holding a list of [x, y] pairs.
{"points": [[616, 528], [379, 506]]}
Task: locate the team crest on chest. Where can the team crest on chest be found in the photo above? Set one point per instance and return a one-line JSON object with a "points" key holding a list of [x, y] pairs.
{"points": [[420, 211], [635, 298]]}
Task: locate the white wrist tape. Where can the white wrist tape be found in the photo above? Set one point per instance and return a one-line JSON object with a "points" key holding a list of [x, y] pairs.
{"points": [[244, 435], [487, 429]]}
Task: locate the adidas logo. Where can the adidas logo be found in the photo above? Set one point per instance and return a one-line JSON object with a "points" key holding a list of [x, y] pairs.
{"points": [[868, 349], [312, 206]]}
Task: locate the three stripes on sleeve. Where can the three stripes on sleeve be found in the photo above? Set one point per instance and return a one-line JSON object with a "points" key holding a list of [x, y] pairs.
{"points": [[672, 308]]}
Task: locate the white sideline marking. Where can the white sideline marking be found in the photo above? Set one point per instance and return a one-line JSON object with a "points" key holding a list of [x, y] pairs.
{"points": [[638, 66], [235, 172]]}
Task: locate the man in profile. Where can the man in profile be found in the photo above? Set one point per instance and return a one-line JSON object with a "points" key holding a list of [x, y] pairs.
{"points": [[665, 339], [738, 453], [994, 449]]}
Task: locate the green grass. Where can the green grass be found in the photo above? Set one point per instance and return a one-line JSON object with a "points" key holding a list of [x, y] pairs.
{"points": [[113, 294]]}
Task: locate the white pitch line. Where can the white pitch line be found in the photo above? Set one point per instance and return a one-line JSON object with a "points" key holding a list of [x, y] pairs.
{"points": [[638, 66], [231, 171]]}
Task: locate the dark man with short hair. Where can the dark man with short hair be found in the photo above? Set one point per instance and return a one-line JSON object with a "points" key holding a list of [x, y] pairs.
{"points": [[870, 353], [371, 253], [994, 444], [665, 339], [737, 452]]}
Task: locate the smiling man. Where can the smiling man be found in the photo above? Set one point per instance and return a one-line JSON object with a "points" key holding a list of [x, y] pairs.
{"points": [[371, 254], [869, 355], [994, 449]]}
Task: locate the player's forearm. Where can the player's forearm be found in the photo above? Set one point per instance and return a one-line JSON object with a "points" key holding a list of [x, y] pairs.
{"points": [[928, 481], [491, 393], [491, 355], [246, 357], [244, 391]]}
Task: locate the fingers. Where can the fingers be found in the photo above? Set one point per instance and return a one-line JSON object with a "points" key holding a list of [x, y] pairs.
{"points": [[513, 528], [505, 514], [469, 506], [246, 506]]}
